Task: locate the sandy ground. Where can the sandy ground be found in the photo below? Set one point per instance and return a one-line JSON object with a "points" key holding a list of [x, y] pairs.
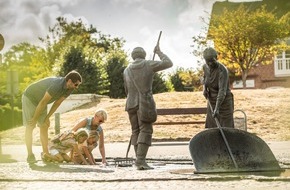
{"points": [[267, 116]]}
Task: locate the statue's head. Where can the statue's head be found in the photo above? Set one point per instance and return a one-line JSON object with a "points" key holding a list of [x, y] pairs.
{"points": [[138, 52], [210, 56]]}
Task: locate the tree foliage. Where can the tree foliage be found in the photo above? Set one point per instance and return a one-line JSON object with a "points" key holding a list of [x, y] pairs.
{"points": [[245, 38], [186, 80], [160, 84], [86, 44], [177, 81], [75, 60], [115, 67], [28, 61]]}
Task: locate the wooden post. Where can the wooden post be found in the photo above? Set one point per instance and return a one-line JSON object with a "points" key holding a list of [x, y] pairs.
{"points": [[57, 123], [0, 147], [12, 89]]}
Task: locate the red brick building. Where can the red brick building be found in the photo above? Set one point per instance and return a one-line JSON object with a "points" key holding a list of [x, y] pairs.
{"points": [[276, 74]]}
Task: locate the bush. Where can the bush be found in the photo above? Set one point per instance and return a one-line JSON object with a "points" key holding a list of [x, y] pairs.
{"points": [[10, 119]]}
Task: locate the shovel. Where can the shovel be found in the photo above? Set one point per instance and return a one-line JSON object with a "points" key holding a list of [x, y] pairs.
{"points": [[210, 151], [224, 137]]}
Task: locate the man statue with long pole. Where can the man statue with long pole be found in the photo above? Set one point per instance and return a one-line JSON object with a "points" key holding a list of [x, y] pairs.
{"points": [[140, 105]]}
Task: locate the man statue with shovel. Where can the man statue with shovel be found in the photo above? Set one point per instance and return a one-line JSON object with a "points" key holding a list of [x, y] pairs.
{"points": [[217, 91], [140, 105]]}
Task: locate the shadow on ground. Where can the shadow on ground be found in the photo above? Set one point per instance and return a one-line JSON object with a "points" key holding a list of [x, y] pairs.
{"points": [[68, 168], [6, 158]]}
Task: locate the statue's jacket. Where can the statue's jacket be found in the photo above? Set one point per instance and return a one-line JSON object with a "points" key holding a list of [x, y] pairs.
{"points": [[142, 72]]}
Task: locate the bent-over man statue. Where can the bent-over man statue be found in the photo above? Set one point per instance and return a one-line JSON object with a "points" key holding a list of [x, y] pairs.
{"points": [[217, 91]]}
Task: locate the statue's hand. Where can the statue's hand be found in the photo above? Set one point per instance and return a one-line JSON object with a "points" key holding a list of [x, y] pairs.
{"points": [[157, 49], [215, 113], [205, 94]]}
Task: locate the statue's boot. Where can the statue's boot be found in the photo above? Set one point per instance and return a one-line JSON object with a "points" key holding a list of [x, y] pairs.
{"points": [[141, 157]]}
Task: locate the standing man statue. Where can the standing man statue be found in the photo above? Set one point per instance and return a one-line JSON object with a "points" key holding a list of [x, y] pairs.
{"points": [[140, 105], [217, 91], [35, 99]]}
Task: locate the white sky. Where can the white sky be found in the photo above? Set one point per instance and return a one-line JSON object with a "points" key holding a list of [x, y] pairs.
{"points": [[136, 21]]}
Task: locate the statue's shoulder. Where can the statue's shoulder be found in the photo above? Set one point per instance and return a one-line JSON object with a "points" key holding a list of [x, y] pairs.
{"points": [[222, 68]]}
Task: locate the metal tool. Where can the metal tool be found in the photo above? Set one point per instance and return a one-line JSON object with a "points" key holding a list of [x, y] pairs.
{"points": [[210, 151], [224, 137], [125, 162]]}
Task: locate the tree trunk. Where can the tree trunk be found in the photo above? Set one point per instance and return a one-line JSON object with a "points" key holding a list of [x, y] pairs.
{"points": [[244, 78]]}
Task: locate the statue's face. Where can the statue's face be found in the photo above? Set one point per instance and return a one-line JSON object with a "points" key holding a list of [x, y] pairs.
{"points": [[210, 56], [211, 62]]}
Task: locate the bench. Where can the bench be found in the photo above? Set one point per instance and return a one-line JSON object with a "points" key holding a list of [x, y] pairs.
{"points": [[181, 111], [242, 121], [239, 121]]}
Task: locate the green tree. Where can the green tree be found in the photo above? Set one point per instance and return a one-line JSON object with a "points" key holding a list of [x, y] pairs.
{"points": [[75, 60], [160, 84], [116, 65], [95, 47], [177, 82], [246, 38], [192, 80], [64, 35], [186, 80], [29, 63]]}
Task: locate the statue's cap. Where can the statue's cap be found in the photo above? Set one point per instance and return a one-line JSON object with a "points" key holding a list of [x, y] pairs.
{"points": [[209, 53], [138, 52]]}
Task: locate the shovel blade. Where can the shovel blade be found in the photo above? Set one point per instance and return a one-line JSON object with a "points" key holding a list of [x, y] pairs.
{"points": [[210, 155]]}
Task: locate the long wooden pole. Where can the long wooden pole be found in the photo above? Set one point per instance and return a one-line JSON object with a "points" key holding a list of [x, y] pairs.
{"points": [[157, 43]]}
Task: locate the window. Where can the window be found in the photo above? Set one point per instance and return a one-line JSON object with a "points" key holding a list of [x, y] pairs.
{"points": [[250, 83]]}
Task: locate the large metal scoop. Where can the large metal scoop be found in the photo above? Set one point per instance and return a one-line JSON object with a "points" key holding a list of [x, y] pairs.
{"points": [[210, 154]]}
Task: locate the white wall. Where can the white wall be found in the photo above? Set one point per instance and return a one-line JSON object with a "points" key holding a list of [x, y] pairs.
{"points": [[74, 101]]}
